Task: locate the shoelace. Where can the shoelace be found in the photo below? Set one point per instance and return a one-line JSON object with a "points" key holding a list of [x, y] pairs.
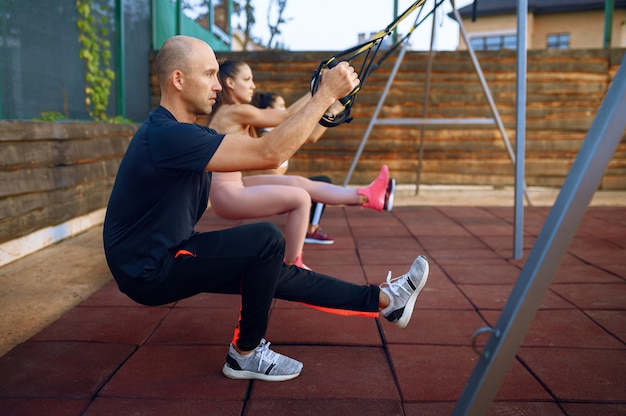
{"points": [[394, 285], [265, 354]]}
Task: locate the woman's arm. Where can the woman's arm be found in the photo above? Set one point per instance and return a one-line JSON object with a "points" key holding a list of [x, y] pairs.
{"points": [[249, 115], [241, 152]]}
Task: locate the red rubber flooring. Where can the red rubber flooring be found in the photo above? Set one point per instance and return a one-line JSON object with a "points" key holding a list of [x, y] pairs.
{"points": [[110, 356]]}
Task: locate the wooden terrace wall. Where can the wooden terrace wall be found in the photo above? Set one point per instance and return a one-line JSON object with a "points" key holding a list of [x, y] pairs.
{"points": [[51, 172], [565, 89]]}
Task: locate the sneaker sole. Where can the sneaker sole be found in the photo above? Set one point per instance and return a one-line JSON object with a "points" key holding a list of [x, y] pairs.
{"points": [[389, 205], [314, 241], [251, 375], [408, 308]]}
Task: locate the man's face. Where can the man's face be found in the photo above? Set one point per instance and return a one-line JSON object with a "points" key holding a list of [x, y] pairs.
{"points": [[201, 83]]}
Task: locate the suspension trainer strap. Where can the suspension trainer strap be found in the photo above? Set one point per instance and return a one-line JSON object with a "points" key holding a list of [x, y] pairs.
{"points": [[395, 46], [368, 50]]}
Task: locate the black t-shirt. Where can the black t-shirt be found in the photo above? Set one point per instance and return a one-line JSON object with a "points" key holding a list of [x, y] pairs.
{"points": [[160, 192]]}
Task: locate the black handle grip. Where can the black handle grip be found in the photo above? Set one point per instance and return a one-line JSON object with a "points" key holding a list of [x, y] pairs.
{"points": [[331, 63]]}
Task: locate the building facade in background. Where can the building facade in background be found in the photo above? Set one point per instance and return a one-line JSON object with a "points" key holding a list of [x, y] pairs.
{"points": [[552, 24]]}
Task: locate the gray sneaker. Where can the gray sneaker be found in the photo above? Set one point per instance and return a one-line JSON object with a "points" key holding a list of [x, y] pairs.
{"points": [[403, 292], [261, 364]]}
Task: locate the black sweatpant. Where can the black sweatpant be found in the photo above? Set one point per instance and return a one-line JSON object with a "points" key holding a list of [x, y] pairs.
{"points": [[248, 260]]}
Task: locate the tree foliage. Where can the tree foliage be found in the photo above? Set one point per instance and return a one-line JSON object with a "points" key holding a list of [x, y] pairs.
{"points": [[274, 26], [275, 19], [246, 9]]}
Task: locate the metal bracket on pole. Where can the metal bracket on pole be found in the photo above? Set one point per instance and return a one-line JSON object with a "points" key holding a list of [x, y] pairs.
{"points": [[583, 179]]}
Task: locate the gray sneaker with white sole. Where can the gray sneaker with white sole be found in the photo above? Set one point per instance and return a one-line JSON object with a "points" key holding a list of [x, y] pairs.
{"points": [[403, 292], [261, 364]]}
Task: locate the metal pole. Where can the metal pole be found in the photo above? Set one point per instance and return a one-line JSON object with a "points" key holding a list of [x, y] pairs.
{"points": [[608, 22], [434, 121], [565, 216], [120, 61], [520, 129], [179, 16], [153, 24], [483, 83], [429, 69], [4, 56], [394, 36]]}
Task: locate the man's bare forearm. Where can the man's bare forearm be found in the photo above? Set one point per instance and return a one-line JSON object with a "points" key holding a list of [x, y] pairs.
{"points": [[291, 134]]}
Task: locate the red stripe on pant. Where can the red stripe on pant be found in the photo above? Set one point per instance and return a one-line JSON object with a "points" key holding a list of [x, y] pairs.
{"points": [[342, 312]]}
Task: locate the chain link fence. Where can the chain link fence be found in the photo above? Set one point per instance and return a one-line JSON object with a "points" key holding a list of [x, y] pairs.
{"points": [[39, 60]]}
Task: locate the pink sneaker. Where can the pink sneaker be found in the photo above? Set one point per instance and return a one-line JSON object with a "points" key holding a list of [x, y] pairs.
{"points": [[375, 192]]}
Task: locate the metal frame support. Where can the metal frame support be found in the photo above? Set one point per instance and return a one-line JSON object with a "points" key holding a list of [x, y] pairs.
{"points": [[153, 25], [425, 101], [374, 119], [4, 61], [609, 6], [583, 179], [520, 129], [490, 100], [417, 121], [179, 18], [120, 78]]}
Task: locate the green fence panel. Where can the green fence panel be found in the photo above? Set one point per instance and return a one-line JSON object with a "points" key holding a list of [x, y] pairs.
{"points": [[165, 27]]}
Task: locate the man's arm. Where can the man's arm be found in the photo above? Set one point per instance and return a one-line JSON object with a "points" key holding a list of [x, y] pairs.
{"points": [[317, 133], [319, 130], [241, 152]]}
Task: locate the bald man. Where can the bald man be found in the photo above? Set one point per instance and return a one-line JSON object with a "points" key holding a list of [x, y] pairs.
{"points": [[161, 191]]}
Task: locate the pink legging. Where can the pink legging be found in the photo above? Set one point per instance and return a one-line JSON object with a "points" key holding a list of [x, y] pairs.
{"points": [[258, 196]]}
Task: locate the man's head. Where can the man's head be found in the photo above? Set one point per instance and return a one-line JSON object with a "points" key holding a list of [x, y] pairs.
{"points": [[186, 69]]}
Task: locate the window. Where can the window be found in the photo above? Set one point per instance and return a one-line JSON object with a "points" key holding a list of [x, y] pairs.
{"points": [[494, 43], [558, 41]]}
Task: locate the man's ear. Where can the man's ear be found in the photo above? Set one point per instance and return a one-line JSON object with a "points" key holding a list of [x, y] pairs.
{"points": [[177, 79]]}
